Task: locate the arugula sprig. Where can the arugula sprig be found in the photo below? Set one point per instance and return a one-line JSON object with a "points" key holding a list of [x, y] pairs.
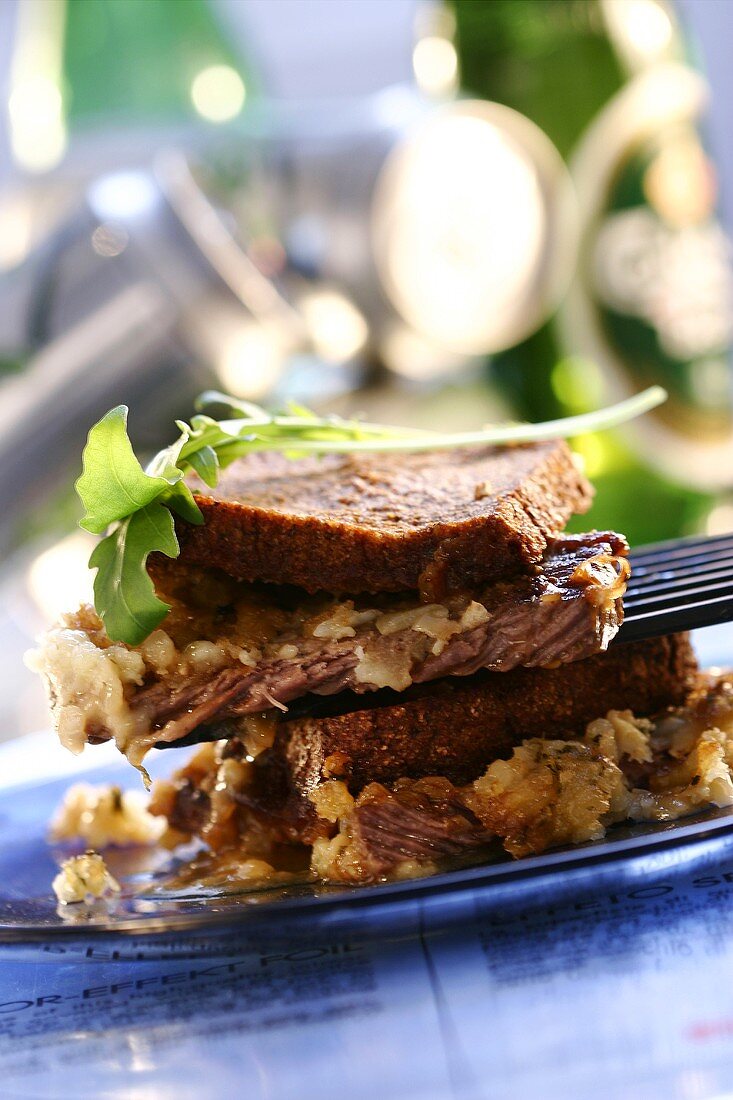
{"points": [[135, 505]]}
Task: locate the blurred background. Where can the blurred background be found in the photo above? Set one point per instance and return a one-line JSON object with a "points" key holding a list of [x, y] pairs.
{"points": [[441, 214]]}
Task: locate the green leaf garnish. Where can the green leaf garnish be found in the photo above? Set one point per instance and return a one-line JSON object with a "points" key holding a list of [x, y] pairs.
{"points": [[206, 464], [123, 592], [125, 487], [137, 504]]}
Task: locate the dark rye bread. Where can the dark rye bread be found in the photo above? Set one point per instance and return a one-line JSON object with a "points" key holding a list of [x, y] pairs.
{"points": [[436, 521], [456, 727]]}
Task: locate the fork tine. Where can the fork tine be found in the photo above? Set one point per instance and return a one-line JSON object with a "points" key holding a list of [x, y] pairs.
{"points": [[651, 623], [684, 550], [664, 597], [641, 565], [678, 585], [669, 580], [683, 543], [643, 578]]}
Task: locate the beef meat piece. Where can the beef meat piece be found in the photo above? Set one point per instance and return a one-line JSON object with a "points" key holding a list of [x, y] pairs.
{"points": [[567, 612], [439, 522], [424, 823]]}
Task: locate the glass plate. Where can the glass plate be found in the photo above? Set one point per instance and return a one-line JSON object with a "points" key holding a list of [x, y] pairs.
{"points": [[28, 863]]}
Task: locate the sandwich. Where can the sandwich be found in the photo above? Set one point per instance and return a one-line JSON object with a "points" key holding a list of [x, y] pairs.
{"points": [[390, 661]]}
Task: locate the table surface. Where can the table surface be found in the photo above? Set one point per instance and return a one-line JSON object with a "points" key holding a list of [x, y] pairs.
{"points": [[609, 982]]}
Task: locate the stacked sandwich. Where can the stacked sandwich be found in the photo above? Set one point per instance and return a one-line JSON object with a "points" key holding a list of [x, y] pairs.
{"points": [[390, 661]]}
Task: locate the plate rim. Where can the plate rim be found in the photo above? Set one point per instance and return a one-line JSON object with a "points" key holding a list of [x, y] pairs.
{"points": [[656, 837]]}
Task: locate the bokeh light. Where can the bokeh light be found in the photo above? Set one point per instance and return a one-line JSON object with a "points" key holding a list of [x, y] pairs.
{"points": [[336, 327], [250, 360], [577, 383], [59, 577], [435, 64], [37, 131], [218, 93]]}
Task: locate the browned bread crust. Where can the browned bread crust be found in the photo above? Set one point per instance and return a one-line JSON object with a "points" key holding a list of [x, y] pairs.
{"points": [[437, 521], [456, 727]]}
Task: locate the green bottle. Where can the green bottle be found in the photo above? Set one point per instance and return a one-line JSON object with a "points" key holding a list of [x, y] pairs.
{"points": [[611, 85]]}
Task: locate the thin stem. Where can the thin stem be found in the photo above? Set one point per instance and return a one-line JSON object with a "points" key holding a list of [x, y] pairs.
{"points": [[567, 426]]}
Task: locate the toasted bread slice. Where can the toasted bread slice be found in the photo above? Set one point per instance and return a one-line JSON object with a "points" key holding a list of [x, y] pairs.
{"points": [[438, 521]]}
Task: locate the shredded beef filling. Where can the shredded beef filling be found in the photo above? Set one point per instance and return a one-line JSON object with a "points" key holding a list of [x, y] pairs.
{"points": [[229, 651]]}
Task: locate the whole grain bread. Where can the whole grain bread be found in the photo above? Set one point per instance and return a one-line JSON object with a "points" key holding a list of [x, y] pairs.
{"points": [[455, 727], [436, 521]]}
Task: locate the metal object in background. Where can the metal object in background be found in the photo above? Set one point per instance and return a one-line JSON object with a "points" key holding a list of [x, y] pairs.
{"points": [[316, 264], [475, 227], [92, 314]]}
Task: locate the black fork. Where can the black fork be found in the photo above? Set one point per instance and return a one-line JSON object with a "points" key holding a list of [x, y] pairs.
{"points": [[678, 585]]}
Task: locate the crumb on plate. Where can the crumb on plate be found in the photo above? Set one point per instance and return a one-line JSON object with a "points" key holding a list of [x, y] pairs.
{"points": [[83, 878], [105, 815]]}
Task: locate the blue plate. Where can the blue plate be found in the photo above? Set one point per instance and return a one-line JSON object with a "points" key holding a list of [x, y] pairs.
{"points": [[147, 903]]}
